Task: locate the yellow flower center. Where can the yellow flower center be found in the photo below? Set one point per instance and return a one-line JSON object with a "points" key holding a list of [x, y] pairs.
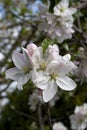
{"points": [[26, 70], [53, 76], [62, 9], [43, 66]]}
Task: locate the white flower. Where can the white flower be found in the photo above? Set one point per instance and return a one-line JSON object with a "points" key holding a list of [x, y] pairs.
{"points": [[79, 118], [59, 24], [49, 75], [59, 126], [66, 22], [34, 99], [41, 59], [22, 72], [61, 9], [45, 14], [64, 29]]}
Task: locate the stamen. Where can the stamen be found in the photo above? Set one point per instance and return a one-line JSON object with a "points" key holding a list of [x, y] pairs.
{"points": [[26, 70], [53, 76], [43, 66]]}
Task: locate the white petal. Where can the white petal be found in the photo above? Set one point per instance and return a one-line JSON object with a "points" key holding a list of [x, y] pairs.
{"points": [[19, 60], [50, 91], [68, 12], [22, 80], [37, 56], [66, 83], [59, 67], [57, 11], [59, 32], [67, 57], [71, 11], [42, 85], [53, 48], [13, 73], [41, 80], [27, 57], [52, 53], [64, 4], [18, 75]]}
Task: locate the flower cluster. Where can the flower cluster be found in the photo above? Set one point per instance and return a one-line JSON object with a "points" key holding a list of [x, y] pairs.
{"points": [[47, 69], [59, 126], [58, 24], [79, 118]]}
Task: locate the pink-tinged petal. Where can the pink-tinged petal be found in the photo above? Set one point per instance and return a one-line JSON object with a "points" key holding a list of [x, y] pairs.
{"points": [[50, 91], [37, 56], [41, 80], [12, 73], [52, 53], [27, 58], [60, 67], [66, 83], [31, 48], [19, 60], [53, 49]]}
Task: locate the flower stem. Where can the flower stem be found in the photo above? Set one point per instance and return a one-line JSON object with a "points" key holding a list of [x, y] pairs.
{"points": [[49, 116], [40, 117]]}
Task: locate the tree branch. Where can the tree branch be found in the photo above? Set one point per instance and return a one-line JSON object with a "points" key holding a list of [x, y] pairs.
{"points": [[40, 117]]}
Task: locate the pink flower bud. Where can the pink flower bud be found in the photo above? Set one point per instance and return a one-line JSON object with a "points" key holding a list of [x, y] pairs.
{"points": [[31, 48]]}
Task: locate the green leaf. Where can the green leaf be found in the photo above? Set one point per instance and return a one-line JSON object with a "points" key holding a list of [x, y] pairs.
{"points": [[46, 42]]}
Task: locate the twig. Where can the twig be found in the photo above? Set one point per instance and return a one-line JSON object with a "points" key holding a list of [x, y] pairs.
{"points": [[40, 117], [23, 114], [49, 116]]}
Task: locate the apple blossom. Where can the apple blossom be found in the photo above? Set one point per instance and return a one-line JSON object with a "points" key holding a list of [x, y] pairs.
{"points": [[22, 72], [79, 118], [41, 59], [58, 24], [61, 9], [47, 70], [49, 75], [59, 126]]}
